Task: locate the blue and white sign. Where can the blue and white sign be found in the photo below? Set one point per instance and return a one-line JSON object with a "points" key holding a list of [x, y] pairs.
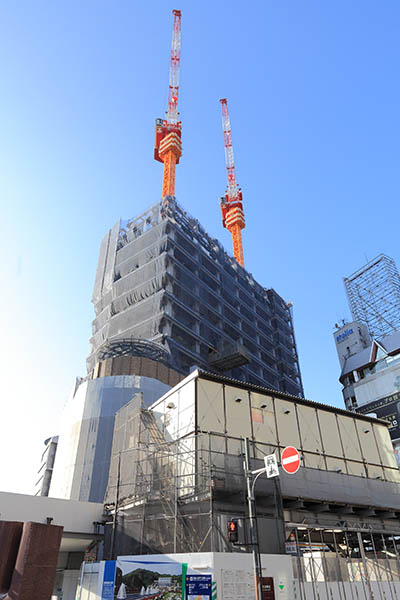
{"points": [[198, 587], [345, 334], [107, 591]]}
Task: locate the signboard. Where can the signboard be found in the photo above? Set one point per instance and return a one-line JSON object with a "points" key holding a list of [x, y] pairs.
{"points": [[237, 584], [372, 406], [388, 409], [291, 548], [271, 466], [140, 577], [344, 335], [267, 588], [107, 592], [198, 587], [291, 545], [290, 460]]}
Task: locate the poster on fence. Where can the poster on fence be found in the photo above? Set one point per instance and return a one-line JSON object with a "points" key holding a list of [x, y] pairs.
{"points": [[141, 578], [198, 587]]}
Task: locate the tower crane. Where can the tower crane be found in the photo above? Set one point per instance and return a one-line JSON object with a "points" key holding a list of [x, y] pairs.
{"points": [[168, 145], [231, 203]]}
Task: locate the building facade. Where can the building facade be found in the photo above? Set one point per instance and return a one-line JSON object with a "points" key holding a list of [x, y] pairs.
{"points": [[167, 298], [369, 347], [371, 380], [177, 479], [160, 277], [374, 296]]}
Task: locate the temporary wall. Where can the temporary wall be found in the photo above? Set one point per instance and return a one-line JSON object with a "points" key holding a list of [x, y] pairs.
{"points": [[329, 439]]}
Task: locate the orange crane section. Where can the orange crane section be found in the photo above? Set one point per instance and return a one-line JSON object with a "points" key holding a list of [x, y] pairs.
{"points": [[168, 145], [231, 203]]}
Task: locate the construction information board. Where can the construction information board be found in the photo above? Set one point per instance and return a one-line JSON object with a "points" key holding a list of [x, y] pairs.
{"points": [[107, 592], [198, 587], [237, 584]]}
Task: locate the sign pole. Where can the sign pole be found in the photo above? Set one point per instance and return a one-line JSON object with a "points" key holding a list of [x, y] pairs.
{"points": [[252, 520]]}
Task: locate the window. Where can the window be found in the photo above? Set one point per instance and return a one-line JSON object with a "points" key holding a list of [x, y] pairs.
{"points": [[244, 298]]}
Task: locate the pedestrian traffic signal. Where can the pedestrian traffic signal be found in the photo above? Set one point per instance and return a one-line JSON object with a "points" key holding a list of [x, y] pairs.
{"points": [[233, 531]]}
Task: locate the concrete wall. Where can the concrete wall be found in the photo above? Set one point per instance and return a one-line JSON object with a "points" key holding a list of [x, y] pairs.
{"points": [[378, 385], [73, 516]]}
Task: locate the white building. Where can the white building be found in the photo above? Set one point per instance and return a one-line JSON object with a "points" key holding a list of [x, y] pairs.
{"points": [[371, 375]]}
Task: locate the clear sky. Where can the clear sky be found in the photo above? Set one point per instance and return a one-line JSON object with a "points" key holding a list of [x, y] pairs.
{"points": [[313, 91]]}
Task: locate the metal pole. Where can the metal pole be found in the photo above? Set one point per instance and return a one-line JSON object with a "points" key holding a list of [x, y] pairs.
{"points": [[114, 526], [252, 520], [176, 499]]}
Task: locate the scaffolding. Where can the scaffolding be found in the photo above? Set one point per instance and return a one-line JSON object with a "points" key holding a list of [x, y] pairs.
{"points": [[177, 495], [180, 495], [374, 296], [344, 563]]}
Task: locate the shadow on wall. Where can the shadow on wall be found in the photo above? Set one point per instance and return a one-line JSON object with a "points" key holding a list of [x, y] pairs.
{"points": [[28, 559]]}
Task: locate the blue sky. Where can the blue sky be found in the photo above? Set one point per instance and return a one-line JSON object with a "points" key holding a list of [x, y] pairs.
{"points": [[313, 93]]}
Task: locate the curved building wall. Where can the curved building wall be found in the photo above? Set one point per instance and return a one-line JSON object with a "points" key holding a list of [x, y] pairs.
{"points": [[83, 458]]}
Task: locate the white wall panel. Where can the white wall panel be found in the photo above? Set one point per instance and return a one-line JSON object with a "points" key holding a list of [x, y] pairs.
{"points": [[210, 406], [288, 431], [237, 413]]}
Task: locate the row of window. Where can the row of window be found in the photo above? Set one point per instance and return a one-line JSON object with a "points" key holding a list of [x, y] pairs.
{"points": [[214, 340], [229, 283]]}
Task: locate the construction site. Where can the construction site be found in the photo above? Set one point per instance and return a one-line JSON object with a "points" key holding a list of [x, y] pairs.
{"points": [[193, 378], [177, 478], [168, 298]]}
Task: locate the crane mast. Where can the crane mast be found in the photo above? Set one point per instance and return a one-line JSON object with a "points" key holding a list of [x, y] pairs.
{"points": [[168, 145], [231, 203]]}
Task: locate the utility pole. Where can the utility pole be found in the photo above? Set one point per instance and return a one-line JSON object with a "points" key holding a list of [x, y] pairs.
{"points": [[251, 480]]}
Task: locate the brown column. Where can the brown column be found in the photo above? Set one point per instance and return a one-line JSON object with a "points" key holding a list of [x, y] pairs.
{"points": [[10, 537], [35, 568]]}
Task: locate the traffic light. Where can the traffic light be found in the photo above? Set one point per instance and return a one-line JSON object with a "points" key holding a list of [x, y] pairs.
{"points": [[233, 531]]}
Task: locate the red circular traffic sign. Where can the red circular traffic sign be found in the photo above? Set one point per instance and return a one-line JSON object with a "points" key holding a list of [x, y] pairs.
{"points": [[290, 460]]}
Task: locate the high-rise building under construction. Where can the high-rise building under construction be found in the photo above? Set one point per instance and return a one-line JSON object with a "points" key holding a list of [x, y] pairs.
{"points": [[163, 279], [168, 298]]}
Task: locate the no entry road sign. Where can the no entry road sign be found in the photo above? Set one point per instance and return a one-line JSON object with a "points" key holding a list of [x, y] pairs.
{"points": [[290, 460]]}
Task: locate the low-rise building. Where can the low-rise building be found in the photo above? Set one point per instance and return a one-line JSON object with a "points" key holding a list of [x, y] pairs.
{"points": [[371, 377], [177, 480], [82, 536]]}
